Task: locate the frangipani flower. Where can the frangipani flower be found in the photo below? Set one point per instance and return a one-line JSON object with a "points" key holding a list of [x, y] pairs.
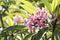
{"points": [[39, 19]]}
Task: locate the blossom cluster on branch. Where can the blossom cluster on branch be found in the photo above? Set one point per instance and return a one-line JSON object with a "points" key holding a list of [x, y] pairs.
{"points": [[39, 19]]}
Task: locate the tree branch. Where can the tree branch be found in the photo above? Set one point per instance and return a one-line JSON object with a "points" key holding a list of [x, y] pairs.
{"points": [[53, 29]]}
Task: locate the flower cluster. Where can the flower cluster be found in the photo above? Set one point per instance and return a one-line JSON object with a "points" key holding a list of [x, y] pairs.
{"points": [[39, 19]]}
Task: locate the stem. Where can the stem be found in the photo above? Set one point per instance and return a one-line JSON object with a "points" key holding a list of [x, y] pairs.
{"points": [[4, 33], [12, 36], [46, 37], [53, 29]]}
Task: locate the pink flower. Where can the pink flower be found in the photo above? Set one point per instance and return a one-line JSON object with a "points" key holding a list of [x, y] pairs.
{"points": [[39, 19], [29, 26], [17, 19], [42, 24]]}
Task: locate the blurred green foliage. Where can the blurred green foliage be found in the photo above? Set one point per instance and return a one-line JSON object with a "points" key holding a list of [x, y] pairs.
{"points": [[10, 8]]}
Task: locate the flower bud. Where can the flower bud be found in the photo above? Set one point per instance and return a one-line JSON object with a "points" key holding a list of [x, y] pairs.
{"points": [[54, 15], [17, 19]]}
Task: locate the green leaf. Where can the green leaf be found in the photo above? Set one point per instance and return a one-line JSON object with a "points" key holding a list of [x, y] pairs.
{"points": [[28, 4], [15, 27], [54, 5], [23, 31], [39, 34], [20, 28], [58, 27], [58, 10], [28, 36], [8, 20], [47, 4], [5, 1], [23, 15], [1, 35], [49, 34], [57, 34], [27, 9]]}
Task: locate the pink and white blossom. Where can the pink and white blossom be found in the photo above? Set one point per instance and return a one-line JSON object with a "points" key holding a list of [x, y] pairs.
{"points": [[39, 19], [16, 19]]}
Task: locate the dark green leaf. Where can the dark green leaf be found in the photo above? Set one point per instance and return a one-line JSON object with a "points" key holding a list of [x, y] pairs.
{"points": [[15, 27], [28, 36], [39, 34], [47, 4]]}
